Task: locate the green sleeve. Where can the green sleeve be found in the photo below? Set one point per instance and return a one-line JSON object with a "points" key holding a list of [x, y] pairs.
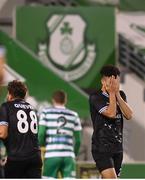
{"points": [[41, 135], [77, 136]]}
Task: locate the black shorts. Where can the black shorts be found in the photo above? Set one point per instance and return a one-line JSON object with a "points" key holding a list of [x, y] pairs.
{"points": [[108, 160], [30, 168]]}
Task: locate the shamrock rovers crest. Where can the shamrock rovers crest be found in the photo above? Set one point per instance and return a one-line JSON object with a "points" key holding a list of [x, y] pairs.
{"points": [[66, 53]]}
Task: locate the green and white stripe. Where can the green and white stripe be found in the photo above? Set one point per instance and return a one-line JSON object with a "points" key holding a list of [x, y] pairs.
{"points": [[59, 145]]}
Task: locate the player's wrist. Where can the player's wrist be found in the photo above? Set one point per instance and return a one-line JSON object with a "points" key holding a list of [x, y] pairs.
{"points": [[112, 93], [118, 95]]}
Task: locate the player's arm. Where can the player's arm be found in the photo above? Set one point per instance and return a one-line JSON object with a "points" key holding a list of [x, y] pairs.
{"points": [[3, 131], [41, 135], [77, 136], [3, 122], [42, 128], [125, 108], [110, 110]]}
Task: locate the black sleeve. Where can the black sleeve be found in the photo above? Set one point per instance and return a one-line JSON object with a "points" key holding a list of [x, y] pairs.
{"points": [[98, 102], [123, 95], [3, 115]]}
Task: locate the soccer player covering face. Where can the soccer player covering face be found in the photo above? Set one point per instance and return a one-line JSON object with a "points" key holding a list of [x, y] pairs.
{"points": [[108, 106], [18, 129]]}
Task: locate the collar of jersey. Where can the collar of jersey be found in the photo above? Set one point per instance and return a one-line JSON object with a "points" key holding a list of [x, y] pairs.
{"points": [[105, 94], [60, 107]]}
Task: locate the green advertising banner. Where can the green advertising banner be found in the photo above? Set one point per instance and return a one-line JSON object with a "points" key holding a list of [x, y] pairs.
{"points": [[74, 42]]}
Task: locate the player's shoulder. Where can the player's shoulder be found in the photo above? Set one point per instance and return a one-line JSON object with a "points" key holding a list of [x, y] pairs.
{"points": [[7, 103], [53, 110], [95, 94], [48, 110], [4, 104], [71, 112]]}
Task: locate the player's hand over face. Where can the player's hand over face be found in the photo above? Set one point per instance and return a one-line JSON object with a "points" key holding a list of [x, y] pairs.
{"points": [[117, 84], [112, 85]]}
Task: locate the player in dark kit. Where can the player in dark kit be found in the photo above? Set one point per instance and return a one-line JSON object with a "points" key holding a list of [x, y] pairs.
{"points": [[107, 107], [18, 129]]}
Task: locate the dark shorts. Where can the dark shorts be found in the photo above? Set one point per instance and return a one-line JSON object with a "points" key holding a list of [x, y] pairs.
{"points": [[30, 168], [108, 160]]}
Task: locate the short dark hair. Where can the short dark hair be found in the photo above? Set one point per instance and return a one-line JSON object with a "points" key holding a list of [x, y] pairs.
{"points": [[110, 70], [17, 89], [59, 96]]}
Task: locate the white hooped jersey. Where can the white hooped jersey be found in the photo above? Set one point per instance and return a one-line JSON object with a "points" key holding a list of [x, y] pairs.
{"points": [[60, 123]]}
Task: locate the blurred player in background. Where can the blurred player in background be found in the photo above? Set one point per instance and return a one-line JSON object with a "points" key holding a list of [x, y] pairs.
{"points": [[18, 129], [60, 133], [107, 107]]}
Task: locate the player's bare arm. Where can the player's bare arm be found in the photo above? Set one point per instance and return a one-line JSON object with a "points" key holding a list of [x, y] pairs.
{"points": [[125, 108], [110, 86], [3, 131]]}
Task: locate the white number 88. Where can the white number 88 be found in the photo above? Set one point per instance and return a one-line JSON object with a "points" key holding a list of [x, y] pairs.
{"points": [[23, 125]]}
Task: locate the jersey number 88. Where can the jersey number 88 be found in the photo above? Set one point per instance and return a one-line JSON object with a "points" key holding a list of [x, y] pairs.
{"points": [[23, 125]]}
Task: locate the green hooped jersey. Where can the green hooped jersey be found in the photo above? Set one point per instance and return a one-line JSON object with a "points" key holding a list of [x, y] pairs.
{"points": [[60, 123]]}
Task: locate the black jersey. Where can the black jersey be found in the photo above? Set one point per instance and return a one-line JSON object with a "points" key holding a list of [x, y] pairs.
{"points": [[107, 135], [21, 119]]}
